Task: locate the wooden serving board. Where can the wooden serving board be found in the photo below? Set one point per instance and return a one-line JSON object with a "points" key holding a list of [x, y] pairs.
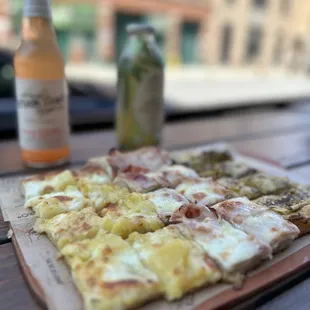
{"points": [[261, 283], [50, 280]]}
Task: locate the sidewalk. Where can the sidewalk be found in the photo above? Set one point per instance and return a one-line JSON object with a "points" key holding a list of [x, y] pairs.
{"points": [[196, 88]]}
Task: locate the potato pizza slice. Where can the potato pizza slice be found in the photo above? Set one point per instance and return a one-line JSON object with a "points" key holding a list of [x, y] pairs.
{"points": [[267, 226], [109, 273], [92, 174], [179, 265], [143, 160], [68, 227], [204, 191], [50, 205], [47, 183], [102, 195], [132, 213], [234, 251]]}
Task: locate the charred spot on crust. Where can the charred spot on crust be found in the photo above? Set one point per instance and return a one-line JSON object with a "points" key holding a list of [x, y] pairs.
{"points": [[63, 198], [191, 211]]}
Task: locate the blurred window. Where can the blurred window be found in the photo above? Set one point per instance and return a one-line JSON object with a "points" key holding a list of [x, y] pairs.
{"points": [[285, 6], [229, 2], [254, 42], [227, 37], [259, 4], [278, 49]]}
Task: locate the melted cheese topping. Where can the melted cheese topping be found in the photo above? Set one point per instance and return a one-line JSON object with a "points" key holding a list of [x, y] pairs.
{"points": [[102, 195], [265, 225], [133, 213], [231, 248], [38, 185], [149, 158], [174, 175], [203, 191], [166, 201], [109, 274], [68, 227], [50, 205], [179, 265], [139, 182]]}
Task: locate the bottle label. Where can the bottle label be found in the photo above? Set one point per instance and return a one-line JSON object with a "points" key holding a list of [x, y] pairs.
{"points": [[42, 109], [148, 105]]}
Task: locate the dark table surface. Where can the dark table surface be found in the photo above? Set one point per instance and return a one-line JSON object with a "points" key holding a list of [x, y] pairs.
{"points": [[280, 135]]}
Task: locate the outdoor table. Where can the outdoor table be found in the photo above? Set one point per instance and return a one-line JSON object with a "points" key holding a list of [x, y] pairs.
{"points": [[279, 136]]}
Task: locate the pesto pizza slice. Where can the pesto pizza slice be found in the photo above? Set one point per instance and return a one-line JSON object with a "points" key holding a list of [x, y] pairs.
{"points": [[198, 160], [230, 168], [179, 264], [109, 273], [293, 205], [256, 185]]}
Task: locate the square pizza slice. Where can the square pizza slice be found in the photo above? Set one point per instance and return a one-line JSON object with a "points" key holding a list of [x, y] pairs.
{"points": [[197, 160], [109, 273], [167, 176], [50, 205], [256, 185], [234, 251], [68, 227], [179, 265], [47, 183], [166, 202], [142, 160], [293, 205], [92, 174], [230, 168], [133, 213], [204, 191], [267, 226], [102, 195]]}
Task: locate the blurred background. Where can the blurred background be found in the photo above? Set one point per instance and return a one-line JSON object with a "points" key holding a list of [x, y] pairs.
{"points": [[220, 54]]}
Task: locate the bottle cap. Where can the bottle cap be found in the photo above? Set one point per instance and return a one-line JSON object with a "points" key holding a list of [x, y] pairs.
{"points": [[35, 8], [140, 29]]}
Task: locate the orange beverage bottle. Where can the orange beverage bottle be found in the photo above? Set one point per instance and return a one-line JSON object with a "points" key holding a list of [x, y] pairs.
{"points": [[41, 90]]}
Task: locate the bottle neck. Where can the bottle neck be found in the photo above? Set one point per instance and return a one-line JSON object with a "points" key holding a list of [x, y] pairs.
{"points": [[37, 20], [37, 28]]}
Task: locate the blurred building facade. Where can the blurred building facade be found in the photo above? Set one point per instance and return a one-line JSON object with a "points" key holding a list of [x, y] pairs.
{"points": [[232, 33], [259, 33], [90, 30]]}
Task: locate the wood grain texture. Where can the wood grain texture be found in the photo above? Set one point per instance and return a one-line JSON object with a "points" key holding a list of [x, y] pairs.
{"points": [[14, 292], [248, 125], [4, 228]]}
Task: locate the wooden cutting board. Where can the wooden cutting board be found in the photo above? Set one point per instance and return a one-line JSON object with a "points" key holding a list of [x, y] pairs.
{"points": [[48, 278]]}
